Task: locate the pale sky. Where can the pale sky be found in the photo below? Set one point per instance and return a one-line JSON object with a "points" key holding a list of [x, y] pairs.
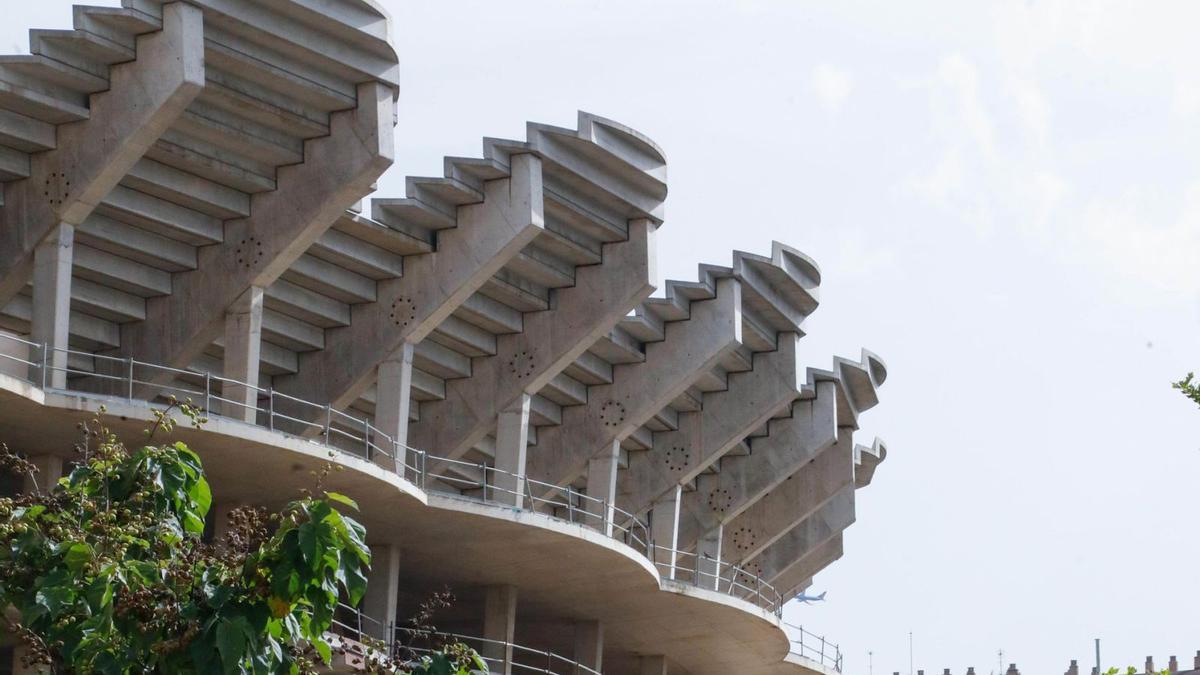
{"points": [[1004, 198]]}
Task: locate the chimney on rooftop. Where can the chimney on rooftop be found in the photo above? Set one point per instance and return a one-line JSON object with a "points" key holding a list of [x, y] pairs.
{"points": [[1150, 665], [1074, 669], [1196, 663], [971, 670], [1173, 665], [1012, 670], [945, 671]]}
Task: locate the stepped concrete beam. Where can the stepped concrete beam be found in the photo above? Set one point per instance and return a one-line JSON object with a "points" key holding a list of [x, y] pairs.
{"points": [[526, 361], [750, 400], [90, 156], [488, 234], [799, 576], [689, 349], [789, 444], [828, 521], [337, 171], [784, 507], [866, 459]]}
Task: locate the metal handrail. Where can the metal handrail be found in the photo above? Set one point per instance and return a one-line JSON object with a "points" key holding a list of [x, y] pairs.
{"points": [[524, 659], [351, 434], [717, 575], [816, 648]]}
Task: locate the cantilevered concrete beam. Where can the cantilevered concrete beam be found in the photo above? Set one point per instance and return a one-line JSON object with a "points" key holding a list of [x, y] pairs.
{"points": [[487, 236], [639, 390], [337, 171], [90, 157], [800, 574], [789, 444], [791, 502], [726, 417], [866, 459], [526, 361], [827, 522]]}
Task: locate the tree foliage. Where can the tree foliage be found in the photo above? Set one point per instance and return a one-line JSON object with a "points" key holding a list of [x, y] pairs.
{"points": [[107, 571], [1189, 388]]}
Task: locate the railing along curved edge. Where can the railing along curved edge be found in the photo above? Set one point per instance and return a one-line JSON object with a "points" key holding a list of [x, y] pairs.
{"points": [[410, 644], [357, 437], [813, 647]]}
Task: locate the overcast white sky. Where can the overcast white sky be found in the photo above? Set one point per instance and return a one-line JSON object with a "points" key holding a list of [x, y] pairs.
{"points": [[1004, 198]]}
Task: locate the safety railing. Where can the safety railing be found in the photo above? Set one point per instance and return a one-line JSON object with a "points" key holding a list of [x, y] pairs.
{"points": [[225, 397], [410, 644], [814, 647], [716, 575]]}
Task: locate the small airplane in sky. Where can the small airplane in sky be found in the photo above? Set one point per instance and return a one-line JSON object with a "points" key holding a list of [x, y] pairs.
{"points": [[810, 599]]}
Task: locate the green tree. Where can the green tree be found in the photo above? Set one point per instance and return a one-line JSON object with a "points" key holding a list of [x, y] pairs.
{"points": [[107, 572], [1189, 388]]}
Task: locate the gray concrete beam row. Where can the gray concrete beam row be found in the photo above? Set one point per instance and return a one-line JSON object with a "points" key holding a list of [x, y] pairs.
{"points": [[831, 519]]}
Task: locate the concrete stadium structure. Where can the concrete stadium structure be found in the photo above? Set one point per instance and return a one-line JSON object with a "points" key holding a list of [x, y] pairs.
{"points": [[609, 481]]}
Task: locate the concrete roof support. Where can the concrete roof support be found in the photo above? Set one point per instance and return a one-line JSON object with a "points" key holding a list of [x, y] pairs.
{"points": [[589, 647], [383, 590], [830, 520], [499, 624], [664, 530], [337, 171], [488, 234], [243, 341], [65, 184], [393, 400], [639, 390], [525, 362], [800, 574], [726, 417], [790, 444], [512, 442], [602, 484], [52, 260], [791, 502]]}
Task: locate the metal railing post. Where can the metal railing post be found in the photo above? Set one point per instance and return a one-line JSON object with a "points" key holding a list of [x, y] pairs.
{"points": [[367, 438], [570, 505], [45, 362], [207, 393], [130, 359], [822, 649], [328, 421], [484, 481], [271, 408]]}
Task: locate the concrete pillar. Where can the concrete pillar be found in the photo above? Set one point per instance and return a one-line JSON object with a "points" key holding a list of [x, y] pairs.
{"points": [[49, 471], [499, 622], [653, 665], [52, 260], [243, 339], [602, 485], [383, 590], [589, 647], [512, 442], [664, 530], [393, 401], [708, 559]]}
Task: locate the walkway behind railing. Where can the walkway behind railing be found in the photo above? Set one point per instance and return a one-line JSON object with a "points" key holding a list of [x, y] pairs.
{"points": [[131, 379], [814, 647], [716, 575], [409, 644]]}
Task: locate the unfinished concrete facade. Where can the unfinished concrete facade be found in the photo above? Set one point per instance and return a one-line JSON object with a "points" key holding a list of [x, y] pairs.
{"points": [[183, 214]]}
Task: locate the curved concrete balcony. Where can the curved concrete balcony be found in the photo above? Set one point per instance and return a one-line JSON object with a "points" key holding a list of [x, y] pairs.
{"points": [[571, 556]]}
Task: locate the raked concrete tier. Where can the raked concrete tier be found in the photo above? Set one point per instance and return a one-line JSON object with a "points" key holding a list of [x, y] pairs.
{"points": [[564, 571]]}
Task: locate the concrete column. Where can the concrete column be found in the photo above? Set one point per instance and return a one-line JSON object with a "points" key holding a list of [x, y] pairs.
{"points": [[602, 485], [708, 559], [512, 442], [664, 530], [383, 590], [49, 471], [499, 622], [52, 260], [243, 339], [653, 665], [393, 402], [589, 647]]}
